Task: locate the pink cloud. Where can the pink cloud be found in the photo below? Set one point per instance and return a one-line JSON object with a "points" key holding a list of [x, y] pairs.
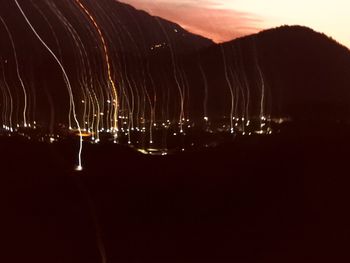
{"points": [[204, 19]]}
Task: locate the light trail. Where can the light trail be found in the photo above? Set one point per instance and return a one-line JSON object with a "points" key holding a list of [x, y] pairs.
{"points": [[79, 167], [175, 72], [108, 64], [7, 91], [205, 100], [230, 87], [163, 93], [18, 72]]}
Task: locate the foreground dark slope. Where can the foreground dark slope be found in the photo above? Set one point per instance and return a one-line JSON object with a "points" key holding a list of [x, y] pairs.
{"points": [[306, 74], [280, 198]]}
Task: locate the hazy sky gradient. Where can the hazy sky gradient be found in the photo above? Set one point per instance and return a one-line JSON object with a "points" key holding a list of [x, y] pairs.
{"points": [[223, 20]]}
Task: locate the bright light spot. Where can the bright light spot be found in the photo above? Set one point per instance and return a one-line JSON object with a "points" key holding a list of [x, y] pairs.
{"points": [[78, 168]]}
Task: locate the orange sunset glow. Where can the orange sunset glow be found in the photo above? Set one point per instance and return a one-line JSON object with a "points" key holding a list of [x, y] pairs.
{"points": [[223, 20]]}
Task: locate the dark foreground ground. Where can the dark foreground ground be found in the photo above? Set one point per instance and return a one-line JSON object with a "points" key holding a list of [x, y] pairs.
{"points": [[281, 198]]}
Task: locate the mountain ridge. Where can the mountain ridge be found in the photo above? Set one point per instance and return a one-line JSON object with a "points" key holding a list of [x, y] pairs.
{"points": [[289, 71]]}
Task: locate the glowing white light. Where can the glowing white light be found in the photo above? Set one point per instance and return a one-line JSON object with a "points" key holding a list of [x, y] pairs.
{"points": [[78, 168]]}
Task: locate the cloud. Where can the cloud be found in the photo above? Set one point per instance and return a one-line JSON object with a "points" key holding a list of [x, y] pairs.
{"points": [[204, 17]]}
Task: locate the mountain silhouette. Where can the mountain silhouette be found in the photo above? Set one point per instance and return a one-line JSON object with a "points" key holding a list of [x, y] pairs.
{"points": [[306, 75], [290, 71]]}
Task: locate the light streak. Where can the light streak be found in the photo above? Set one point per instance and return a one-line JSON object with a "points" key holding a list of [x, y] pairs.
{"points": [[230, 87], [205, 100], [152, 105], [106, 54], [17, 71], [67, 81], [8, 92]]}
